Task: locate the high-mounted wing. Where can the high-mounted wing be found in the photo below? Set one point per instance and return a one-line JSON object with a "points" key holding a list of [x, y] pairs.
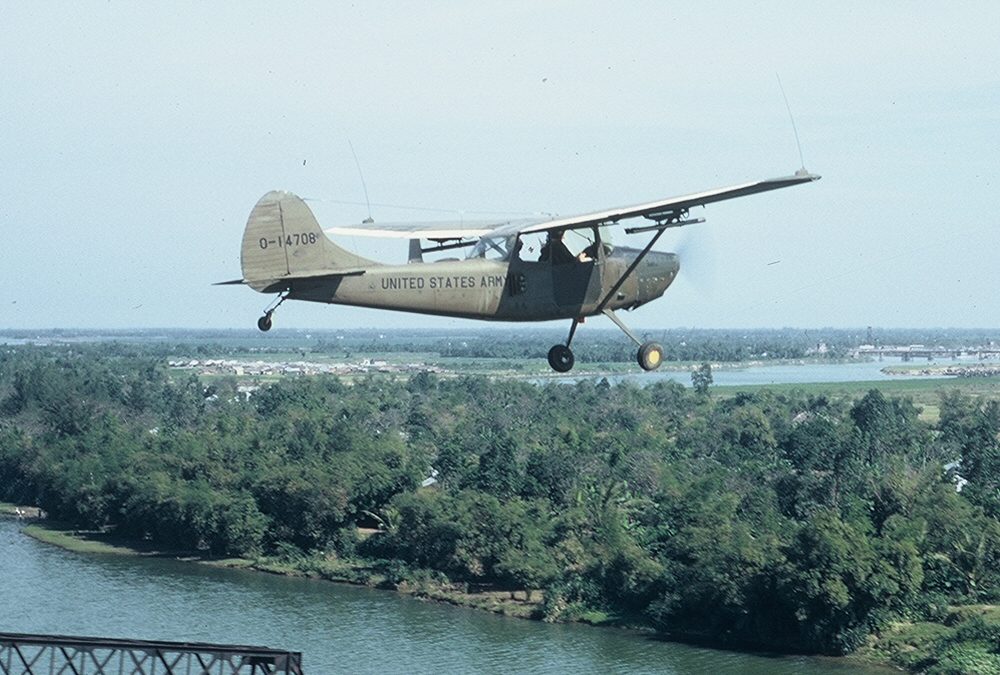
{"points": [[661, 211]]}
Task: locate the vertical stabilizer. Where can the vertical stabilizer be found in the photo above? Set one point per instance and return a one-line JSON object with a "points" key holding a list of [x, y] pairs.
{"points": [[282, 240]]}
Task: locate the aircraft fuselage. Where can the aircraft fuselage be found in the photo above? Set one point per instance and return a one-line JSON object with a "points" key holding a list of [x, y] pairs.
{"points": [[514, 290]]}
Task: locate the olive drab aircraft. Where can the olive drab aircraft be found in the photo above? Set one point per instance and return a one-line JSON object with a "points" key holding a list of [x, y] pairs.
{"points": [[514, 270]]}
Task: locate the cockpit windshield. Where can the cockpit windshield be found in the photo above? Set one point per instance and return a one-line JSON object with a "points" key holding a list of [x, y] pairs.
{"points": [[495, 247]]}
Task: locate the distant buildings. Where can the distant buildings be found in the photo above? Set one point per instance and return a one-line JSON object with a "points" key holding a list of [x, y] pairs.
{"points": [[240, 368]]}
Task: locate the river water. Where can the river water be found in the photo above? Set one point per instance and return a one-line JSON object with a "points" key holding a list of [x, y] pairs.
{"points": [[782, 373], [338, 628]]}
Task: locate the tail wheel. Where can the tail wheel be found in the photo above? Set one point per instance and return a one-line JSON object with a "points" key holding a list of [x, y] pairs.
{"points": [[561, 358], [264, 322], [650, 356]]}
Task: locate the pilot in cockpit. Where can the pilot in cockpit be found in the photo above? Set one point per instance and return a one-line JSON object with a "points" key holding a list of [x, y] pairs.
{"points": [[555, 250]]}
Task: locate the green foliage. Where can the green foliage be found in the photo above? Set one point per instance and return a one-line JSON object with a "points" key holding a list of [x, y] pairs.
{"points": [[964, 659], [471, 535], [768, 519], [970, 643], [973, 431], [828, 583], [701, 378]]}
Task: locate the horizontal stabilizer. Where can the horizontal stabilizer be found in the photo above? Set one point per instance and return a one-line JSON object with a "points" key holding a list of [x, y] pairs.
{"points": [[320, 274]]}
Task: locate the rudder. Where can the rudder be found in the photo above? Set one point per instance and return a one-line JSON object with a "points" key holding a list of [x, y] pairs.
{"points": [[283, 240]]}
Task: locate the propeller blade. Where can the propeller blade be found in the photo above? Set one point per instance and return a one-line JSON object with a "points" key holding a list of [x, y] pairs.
{"points": [[696, 251]]}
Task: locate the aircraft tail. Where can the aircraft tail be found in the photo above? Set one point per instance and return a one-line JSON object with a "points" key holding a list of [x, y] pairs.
{"points": [[282, 241]]}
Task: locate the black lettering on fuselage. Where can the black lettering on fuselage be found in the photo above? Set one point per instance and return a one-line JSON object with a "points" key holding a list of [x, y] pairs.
{"points": [[403, 283], [451, 283]]}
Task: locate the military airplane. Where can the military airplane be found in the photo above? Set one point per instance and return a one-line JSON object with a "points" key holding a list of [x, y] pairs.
{"points": [[501, 278]]}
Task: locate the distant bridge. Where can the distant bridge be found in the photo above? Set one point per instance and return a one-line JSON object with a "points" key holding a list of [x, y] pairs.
{"points": [[22, 654], [907, 352]]}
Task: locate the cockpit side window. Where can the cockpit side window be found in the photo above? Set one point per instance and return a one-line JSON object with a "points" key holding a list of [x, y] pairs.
{"points": [[584, 248]]}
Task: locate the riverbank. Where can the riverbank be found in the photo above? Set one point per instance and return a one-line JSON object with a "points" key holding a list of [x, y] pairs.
{"points": [[961, 641], [386, 575], [974, 370], [901, 647]]}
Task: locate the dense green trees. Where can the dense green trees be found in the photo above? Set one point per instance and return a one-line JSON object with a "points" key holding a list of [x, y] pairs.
{"points": [[778, 520]]}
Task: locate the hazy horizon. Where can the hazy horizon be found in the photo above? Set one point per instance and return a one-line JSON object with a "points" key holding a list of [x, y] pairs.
{"points": [[485, 326]]}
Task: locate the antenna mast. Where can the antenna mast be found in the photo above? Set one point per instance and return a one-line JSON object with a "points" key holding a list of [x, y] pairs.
{"points": [[369, 220], [790, 117]]}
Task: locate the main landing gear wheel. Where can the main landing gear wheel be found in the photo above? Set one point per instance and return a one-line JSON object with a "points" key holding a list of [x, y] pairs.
{"points": [[650, 356], [561, 358], [264, 322]]}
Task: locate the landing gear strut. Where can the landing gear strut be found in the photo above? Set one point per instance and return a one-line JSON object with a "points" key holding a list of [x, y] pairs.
{"points": [[561, 356], [264, 323], [650, 354]]}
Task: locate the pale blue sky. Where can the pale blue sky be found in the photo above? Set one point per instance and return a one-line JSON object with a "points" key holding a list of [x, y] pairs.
{"points": [[135, 138]]}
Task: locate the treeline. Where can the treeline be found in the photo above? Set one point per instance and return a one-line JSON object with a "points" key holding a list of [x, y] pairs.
{"points": [[532, 342], [679, 344], [610, 346], [786, 521]]}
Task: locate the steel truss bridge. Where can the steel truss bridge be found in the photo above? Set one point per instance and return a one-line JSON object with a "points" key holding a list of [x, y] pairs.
{"points": [[64, 655]]}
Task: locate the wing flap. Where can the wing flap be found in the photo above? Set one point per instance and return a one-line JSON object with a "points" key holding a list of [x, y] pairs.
{"points": [[434, 230]]}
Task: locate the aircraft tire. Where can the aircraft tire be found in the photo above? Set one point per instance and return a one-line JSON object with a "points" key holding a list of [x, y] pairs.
{"points": [[650, 356], [561, 358], [264, 323]]}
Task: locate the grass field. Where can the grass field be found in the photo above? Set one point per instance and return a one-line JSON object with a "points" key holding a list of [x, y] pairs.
{"points": [[72, 541], [925, 393]]}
